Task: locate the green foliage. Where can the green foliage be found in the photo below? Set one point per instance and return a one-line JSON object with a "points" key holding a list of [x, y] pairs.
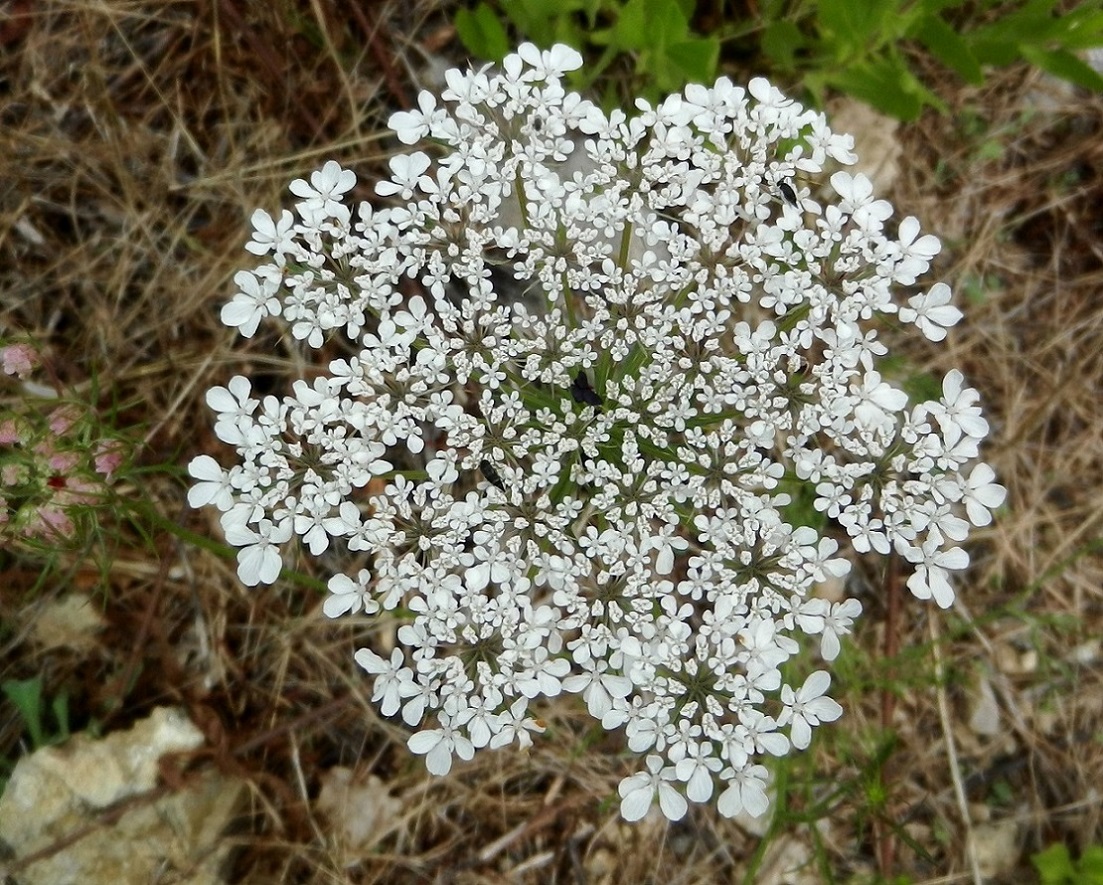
{"points": [[860, 47], [1056, 867], [26, 696], [653, 35]]}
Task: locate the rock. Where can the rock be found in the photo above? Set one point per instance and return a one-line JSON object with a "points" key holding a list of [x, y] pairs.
{"points": [[997, 847], [71, 622], [361, 811], [875, 141], [57, 793], [984, 710]]}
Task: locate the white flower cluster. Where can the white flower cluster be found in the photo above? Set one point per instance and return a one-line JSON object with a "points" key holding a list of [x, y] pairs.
{"points": [[644, 349]]}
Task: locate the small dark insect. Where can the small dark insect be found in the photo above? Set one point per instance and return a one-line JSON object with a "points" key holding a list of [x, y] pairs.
{"points": [[490, 472], [787, 192], [583, 392]]}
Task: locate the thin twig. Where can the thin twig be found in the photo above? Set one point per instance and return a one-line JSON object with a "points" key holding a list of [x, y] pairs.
{"points": [[951, 753]]}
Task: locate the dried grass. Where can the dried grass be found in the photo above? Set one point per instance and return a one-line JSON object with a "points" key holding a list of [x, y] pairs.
{"points": [[136, 139]]}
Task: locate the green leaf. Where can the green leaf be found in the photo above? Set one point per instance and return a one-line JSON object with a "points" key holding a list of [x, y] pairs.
{"points": [[546, 21], [888, 85], [781, 41], [934, 7], [591, 9], [630, 30], [481, 33], [854, 27], [696, 58], [1054, 865], [665, 22], [989, 51], [688, 7], [26, 694], [60, 708], [944, 44], [1065, 65], [1080, 29], [1091, 865], [1032, 23]]}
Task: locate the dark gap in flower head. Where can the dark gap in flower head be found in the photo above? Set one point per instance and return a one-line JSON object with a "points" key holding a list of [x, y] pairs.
{"points": [[583, 392]]}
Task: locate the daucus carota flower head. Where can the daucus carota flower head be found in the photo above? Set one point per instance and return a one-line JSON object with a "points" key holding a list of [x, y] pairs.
{"points": [[579, 459]]}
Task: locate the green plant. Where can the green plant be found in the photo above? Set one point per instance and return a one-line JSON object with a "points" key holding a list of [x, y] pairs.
{"points": [[1056, 867], [864, 49], [59, 459], [655, 35], [26, 695]]}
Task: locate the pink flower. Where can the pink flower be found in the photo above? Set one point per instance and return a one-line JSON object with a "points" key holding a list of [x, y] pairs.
{"points": [[9, 432], [109, 455], [61, 419], [50, 521], [61, 462], [18, 359]]}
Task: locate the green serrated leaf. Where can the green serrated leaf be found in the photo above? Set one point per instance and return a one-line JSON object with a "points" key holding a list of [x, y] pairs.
{"points": [[630, 30], [1033, 22], [1054, 864], [665, 23], [1065, 65], [481, 33], [888, 85], [1091, 864], [850, 26], [688, 7], [944, 44], [696, 58], [781, 41], [566, 30], [934, 7]]}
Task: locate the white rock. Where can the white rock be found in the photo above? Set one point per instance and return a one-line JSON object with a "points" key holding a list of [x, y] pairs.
{"points": [[57, 792]]}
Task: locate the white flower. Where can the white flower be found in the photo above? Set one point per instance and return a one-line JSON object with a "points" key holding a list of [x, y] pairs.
{"points": [[598, 688], [958, 412], [393, 680], [515, 725], [269, 235], [837, 622], [930, 580], [412, 126], [572, 463], [213, 486], [255, 300], [746, 793], [349, 596], [879, 400], [696, 770], [982, 495], [932, 312], [831, 620], [548, 63], [327, 185], [857, 199], [638, 791], [406, 170], [807, 708], [439, 745], [259, 561], [916, 251]]}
